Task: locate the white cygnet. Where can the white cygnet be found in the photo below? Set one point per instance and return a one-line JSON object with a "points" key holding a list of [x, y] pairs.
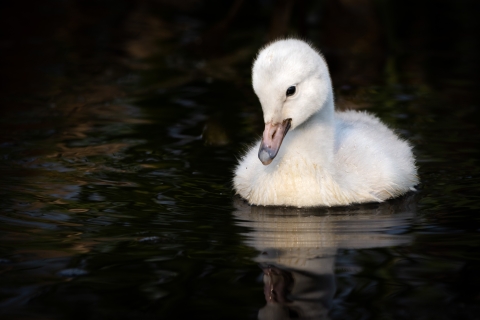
{"points": [[309, 154]]}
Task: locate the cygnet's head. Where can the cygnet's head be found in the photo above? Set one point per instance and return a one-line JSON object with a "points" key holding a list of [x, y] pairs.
{"points": [[292, 82]]}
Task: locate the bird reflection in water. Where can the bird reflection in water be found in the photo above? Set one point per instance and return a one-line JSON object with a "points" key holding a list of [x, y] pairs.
{"points": [[298, 248]]}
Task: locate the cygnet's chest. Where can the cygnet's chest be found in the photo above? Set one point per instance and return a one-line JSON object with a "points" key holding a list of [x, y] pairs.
{"points": [[291, 179]]}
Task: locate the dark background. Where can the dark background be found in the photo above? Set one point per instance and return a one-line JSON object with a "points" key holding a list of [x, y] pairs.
{"points": [[429, 43]]}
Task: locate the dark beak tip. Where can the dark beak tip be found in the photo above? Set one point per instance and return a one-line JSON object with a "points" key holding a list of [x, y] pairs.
{"points": [[266, 163], [265, 157]]}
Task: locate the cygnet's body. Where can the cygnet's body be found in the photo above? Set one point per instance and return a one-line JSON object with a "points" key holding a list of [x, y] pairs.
{"points": [[327, 158]]}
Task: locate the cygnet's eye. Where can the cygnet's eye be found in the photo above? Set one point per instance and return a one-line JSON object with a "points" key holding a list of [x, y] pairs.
{"points": [[291, 91]]}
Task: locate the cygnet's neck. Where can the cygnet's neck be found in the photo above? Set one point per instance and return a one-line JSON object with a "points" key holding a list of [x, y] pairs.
{"points": [[315, 136], [323, 118]]}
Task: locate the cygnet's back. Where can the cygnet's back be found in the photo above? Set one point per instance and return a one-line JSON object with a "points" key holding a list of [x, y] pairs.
{"points": [[368, 153]]}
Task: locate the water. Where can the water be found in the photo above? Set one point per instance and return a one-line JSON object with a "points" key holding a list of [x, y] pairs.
{"points": [[119, 134]]}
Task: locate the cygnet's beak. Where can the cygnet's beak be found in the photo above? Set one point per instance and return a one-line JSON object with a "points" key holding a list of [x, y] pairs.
{"points": [[272, 140]]}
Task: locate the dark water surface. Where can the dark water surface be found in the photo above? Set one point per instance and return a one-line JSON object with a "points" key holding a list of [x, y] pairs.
{"points": [[120, 125]]}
